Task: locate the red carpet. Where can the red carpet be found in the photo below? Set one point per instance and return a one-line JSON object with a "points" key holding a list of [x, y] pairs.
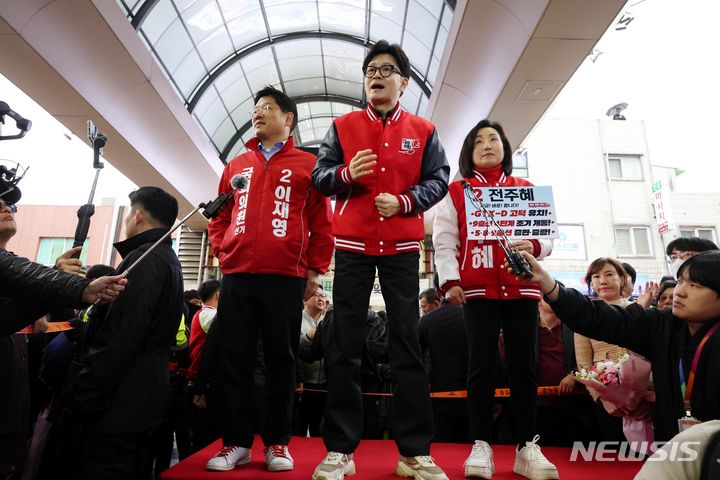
{"points": [[376, 459]]}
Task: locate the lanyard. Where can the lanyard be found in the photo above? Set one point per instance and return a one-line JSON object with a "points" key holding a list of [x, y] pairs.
{"points": [[687, 390]]}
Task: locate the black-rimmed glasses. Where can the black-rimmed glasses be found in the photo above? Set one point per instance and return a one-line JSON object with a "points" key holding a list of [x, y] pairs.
{"points": [[385, 70]]}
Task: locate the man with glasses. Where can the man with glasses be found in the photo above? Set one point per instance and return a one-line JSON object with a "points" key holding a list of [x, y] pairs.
{"points": [[6, 205], [683, 248], [273, 241], [429, 300], [309, 410], [386, 167]]}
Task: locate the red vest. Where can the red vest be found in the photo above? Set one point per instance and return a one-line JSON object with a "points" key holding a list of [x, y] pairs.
{"points": [[197, 340]]}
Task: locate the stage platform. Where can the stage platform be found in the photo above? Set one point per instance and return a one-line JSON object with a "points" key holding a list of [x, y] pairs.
{"points": [[376, 460]]}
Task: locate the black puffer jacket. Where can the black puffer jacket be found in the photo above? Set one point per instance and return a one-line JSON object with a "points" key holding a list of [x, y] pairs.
{"points": [[30, 290], [118, 380]]}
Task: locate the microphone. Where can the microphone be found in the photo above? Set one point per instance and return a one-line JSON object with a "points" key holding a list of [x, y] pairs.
{"points": [[515, 260], [239, 182], [22, 123], [212, 209]]}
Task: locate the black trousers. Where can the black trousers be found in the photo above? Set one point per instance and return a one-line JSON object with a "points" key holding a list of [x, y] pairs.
{"points": [[518, 319], [252, 305], [113, 457], [175, 426], [412, 424], [309, 410]]}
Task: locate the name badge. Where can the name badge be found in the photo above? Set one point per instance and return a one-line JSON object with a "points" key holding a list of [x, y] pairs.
{"points": [[686, 422]]}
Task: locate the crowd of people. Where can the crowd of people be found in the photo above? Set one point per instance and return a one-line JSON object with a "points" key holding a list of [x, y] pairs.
{"points": [[263, 352]]}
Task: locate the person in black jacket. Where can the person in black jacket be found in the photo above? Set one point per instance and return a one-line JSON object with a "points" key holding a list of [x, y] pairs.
{"points": [[444, 344], [670, 339], [28, 291], [375, 372], [118, 382]]}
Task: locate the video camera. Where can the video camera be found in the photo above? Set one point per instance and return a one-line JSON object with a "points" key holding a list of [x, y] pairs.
{"points": [[23, 124], [9, 177]]}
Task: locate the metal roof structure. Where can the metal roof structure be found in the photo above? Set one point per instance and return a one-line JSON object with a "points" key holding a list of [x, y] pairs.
{"points": [[217, 53]]}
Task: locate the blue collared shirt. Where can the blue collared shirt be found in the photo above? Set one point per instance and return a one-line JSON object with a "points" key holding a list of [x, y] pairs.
{"points": [[273, 150]]}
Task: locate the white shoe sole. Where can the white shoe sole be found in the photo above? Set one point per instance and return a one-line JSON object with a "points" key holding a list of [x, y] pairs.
{"points": [[472, 471], [280, 468], [543, 475], [349, 471], [227, 468]]}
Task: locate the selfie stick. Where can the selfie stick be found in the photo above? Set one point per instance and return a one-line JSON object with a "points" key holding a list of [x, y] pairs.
{"points": [[98, 141]]}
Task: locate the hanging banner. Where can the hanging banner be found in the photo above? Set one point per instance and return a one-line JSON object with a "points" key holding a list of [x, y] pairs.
{"points": [[663, 212]]}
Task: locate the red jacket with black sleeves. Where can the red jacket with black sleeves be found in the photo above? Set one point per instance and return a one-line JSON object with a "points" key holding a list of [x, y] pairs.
{"points": [[411, 165], [279, 224], [476, 265]]}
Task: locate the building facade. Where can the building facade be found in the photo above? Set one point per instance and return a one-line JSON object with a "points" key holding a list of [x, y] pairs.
{"points": [[605, 187]]}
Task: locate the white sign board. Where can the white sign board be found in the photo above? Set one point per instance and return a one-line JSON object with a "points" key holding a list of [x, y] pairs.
{"points": [[521, 212]]}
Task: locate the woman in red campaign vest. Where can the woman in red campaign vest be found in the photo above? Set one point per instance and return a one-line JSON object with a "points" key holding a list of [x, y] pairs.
{"points": [[471, 273]]}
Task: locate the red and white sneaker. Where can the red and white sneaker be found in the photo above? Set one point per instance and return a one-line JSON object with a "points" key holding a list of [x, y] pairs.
{"points": [[228, 458], [278, 459]]}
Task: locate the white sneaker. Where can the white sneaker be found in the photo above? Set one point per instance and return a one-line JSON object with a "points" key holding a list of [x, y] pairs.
{"points": [[421, 467], [228, 458], [278, 459], [335, 466], [480, 462], [532, 464]]}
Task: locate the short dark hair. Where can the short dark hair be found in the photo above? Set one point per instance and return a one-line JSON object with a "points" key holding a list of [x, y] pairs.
{"points": [[704, 269], [162, 207], [208, 288], [284, 102], [630, 271], [430, 295], [465, 162], [190, 295], [381, 47], [99, 270], [598, 264], [690, 244]]}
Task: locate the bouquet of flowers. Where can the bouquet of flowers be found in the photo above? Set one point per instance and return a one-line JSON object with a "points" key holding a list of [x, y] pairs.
{"points": [[625, 384]]}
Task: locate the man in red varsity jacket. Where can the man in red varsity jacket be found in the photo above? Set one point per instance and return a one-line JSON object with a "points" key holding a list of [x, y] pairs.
{"points": [[273, 240], [386, 167]]}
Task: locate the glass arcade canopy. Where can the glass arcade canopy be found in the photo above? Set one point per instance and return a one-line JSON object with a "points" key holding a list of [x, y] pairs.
{"points": [[216, 53]]}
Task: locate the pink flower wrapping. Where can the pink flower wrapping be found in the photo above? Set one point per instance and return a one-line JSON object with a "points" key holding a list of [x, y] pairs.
{"points": [[624, 384]]}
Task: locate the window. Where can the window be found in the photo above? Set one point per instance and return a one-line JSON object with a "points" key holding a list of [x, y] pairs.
{"points": [[625, 167], [520, 163], [706, 233], [633, 242], [51, 248]]}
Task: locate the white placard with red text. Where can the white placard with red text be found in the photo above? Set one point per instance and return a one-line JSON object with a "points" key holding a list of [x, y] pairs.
{"points": [[521, 212]]}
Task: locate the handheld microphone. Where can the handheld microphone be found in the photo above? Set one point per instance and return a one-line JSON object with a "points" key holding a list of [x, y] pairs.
{"points": [[212, 209], [517, 263], [239, 182], [23, 124]]}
